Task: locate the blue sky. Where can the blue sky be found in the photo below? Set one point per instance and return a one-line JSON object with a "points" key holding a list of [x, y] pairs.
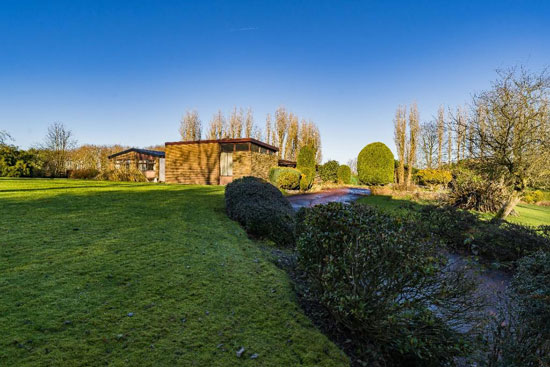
{"points": [[125, 72]]}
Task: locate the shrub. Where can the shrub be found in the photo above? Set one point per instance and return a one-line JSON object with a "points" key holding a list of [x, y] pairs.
{"points": [[85, 173], [434, 177], [471, 191], [131, 174], [519, 334], [285, 177], [380, 280], [375, 164], [306, 179], [344, 174], [261, 209], [329, 172], [306, 158], [19, 163], [532, 197]]}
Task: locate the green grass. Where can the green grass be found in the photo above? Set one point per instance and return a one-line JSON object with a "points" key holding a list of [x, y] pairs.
{"points": [[529, 214], [77, 257]]}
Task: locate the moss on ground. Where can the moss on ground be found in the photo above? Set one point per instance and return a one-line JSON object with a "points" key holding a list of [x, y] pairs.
{"points": [[102, 273]]}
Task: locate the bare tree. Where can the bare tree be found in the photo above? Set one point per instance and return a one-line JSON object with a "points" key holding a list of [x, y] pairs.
{"points": [[440, 135], [249, 127], [511, 140], [4, 137], [352, 163], [268, 130], [413, 141], [429, 143], [292, 140], [450, 139], [309, 135], [58, 143], [217, 129], [191, 126], [281, 129], [400, 137], [236, 123]]}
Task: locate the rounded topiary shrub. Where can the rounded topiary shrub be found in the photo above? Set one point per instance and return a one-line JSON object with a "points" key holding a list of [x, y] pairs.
{"points": [[380, 279], [329, 171], [375, 164], [344, 174], [261, 209], [285, 177]]}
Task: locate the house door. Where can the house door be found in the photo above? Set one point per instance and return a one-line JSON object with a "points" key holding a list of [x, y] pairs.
{"points": [[226, 168], [162, 170]]}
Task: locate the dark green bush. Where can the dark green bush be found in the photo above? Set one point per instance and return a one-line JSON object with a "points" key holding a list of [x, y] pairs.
{"points": [[15, 162], [307, 177], [261, 209], [285, 177], [329, 172], [384, 284], [306, 158], [85, 173], [344, 174], [375, 165]]}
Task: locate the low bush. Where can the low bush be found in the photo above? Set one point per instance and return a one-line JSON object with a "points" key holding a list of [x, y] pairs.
{"points": [[329, 172], [261, 209], [375, 165], [384, 284], [533, 197], [131, 174], [471, 191], [285, 178], [434, 177], [344, 174], [519, 333], [85, 173]]}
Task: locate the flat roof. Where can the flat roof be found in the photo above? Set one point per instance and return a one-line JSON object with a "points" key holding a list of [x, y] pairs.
{"points": [[153, 153], [229, 141]]}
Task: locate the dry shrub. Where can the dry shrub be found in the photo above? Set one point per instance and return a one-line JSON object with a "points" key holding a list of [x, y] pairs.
{"points": [[471, 191], [131, 174]]}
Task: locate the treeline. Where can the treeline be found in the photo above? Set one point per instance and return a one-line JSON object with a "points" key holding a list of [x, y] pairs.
{"points": [[284, 130]]}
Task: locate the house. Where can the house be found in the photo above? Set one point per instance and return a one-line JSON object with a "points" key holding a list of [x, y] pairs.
{"points": [[218, 162], [150, 162]]}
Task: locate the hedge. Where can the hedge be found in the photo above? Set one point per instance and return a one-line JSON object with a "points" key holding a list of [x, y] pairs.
{"points": [[375, 164], [344, 174], [329, 171]]}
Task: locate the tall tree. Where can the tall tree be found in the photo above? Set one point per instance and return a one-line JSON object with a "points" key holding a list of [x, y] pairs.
{"points": [[450, 139], [4, 137], [512, 140], [413, 141], [58, 143], [400, 137], [292, 140], [440, 135], [249, 127], [268, 130], [191, 126], [281, 129], [236, 123], [309, 135], [217, 128], [429, 143]]}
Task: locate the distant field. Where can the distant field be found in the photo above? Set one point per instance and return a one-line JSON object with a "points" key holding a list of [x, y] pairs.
{"points": [[529, 214], [129, 274]]}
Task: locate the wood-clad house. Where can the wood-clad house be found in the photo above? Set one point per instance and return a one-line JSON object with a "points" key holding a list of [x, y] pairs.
{"points": [[218, 162], [150, 162]]}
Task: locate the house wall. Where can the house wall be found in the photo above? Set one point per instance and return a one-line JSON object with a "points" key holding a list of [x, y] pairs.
{"points": [[197, 163], [241, 164], [261, 164]]}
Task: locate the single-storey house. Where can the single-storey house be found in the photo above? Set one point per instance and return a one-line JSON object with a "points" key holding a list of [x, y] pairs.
{"points": [[150, 162], [218, 162], [204, 162]]}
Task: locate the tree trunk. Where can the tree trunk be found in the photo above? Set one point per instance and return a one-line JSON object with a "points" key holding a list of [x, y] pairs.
{"points": [[509, 205]]}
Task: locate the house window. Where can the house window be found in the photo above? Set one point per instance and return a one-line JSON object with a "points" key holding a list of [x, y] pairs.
{"points": [[146, 165], [226, 163], [255, 148], [241, 147], [227, 147]]}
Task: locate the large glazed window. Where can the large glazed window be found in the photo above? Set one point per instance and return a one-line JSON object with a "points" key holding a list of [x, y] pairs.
{"points": [[226, 164]]}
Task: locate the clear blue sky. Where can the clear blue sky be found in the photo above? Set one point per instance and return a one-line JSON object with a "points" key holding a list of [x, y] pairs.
{"points": [[125, 71]]}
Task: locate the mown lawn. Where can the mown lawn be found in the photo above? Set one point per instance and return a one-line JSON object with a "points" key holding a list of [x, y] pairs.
{"points": [[129, 274], [529, 214]]}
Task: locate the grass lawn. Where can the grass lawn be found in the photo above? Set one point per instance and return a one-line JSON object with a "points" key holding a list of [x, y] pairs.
{"points": [[131, 274], [529, 214]]}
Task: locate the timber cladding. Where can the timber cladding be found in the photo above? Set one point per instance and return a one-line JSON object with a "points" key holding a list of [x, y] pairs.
{"points": [[193, 163], [261, 164]]}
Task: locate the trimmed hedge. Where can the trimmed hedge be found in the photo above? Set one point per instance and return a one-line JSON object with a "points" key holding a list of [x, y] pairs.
{"points": [[85, 173], [329, 171], [285, 177], [375, 164], [261, 209], [344, 174], [434, 177], [306, 165]]}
